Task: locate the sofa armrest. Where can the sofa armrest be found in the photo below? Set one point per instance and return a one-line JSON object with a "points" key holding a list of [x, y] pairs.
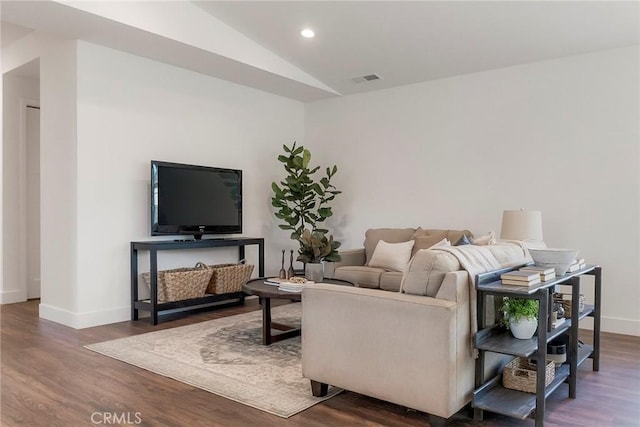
{"points": [[455, 287], [349, 257]]}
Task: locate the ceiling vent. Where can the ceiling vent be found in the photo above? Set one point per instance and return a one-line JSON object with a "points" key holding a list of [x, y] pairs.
{"points": [[367, 78]]}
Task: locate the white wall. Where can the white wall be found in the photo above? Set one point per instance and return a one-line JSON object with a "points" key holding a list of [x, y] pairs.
{"points": [[22, 51], [18, 92], [560, 136], [28, 48], [131, 110], [58, 183]]}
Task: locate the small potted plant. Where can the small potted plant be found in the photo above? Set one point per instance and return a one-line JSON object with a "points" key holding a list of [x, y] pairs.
{"points": [[315, 247], [521, 315]]}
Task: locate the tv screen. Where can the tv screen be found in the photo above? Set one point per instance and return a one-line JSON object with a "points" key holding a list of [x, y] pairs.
{"points": [[196, 200]]}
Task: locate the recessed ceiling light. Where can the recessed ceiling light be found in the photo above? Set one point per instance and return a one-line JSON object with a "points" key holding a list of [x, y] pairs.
{"points": [[308, 33]]}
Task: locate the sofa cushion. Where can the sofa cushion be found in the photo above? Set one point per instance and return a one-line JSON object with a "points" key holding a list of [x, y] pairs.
{"points": [[391, 280], [427, 271], [389, 235], [426, 238], [365, 277], [433, 235], [392, 256]]}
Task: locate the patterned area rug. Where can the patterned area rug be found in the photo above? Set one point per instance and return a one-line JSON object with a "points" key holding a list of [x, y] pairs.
{"points": [[226, 357]]}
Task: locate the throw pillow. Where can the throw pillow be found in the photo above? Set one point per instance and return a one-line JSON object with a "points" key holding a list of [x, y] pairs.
{"points": [[487, 239], [443, 242], [392, 256], [427, 238], [462, 241], [431, 233], [455, 235], [426, 242]]}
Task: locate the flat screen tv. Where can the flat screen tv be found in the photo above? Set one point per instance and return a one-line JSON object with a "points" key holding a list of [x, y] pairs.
{"points": [[195, 200]]}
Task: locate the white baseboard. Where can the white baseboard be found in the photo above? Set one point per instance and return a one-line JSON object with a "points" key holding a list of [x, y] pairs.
{"points": [[620, 326], [84, 320], [93, 318], [613, 325], [13, 296], [56, 314]]}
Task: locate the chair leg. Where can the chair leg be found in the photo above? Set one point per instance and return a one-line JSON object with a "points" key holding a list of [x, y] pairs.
{"points": [[319, 389]]}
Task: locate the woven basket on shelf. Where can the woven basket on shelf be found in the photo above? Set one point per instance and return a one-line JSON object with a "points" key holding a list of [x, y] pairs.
{"points": [[181, 283], [228, 278], [520, 374]]}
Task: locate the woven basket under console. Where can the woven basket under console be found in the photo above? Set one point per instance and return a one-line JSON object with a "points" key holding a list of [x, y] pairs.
{"points": [[520, 374], [181, 283], [228, 278]]}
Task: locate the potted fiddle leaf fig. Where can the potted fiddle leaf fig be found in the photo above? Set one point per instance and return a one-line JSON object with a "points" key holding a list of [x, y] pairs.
{"points": [[302, 203], [521, 316]]}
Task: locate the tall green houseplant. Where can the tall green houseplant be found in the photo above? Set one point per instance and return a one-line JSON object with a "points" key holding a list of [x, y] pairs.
{"points": [[302, 204]]}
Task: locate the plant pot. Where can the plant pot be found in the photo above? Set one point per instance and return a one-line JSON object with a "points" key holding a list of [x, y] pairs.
{"points": [[314, 272], [524, 327]]}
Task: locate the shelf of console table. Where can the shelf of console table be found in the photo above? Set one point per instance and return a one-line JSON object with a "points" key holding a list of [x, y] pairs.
{"points": [[491, 395], [153, 246]]}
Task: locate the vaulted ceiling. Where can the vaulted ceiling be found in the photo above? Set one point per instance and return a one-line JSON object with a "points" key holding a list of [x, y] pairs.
{"points": [[258, 43]]}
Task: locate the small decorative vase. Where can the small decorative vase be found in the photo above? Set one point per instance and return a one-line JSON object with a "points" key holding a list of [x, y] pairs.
{"points": [[283, 272], [314, 271], [523, 328], [290, 272]]}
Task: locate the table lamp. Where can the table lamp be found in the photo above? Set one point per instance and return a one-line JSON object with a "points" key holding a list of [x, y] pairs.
{"points": [[523, 225]]}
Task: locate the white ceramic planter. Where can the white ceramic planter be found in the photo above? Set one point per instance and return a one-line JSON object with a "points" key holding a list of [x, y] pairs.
{"points": [[523, 328]]}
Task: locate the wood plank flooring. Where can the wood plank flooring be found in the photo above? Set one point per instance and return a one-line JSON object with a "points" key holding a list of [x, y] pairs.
{"points": [[48, 379]]}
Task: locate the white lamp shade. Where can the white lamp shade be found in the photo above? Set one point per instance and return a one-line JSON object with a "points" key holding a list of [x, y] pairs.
{"points": [[521, 225]]}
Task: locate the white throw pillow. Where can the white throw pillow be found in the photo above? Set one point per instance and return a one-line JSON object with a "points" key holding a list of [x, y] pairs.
{"points": [[443, 242], [487, 239], [392, 256]]}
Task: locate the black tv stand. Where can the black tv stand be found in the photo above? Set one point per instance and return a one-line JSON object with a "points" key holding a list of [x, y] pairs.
{"points": [[152, 305]]}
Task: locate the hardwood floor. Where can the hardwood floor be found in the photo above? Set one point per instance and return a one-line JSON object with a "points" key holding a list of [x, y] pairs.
{"points": [[48, 379]]}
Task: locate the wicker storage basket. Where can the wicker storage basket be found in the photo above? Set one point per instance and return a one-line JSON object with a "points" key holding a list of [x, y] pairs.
{"points": [[520, 374], [228, 278], [181, 283]]}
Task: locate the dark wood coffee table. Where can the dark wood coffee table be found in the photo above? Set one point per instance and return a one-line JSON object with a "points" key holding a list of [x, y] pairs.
{"points": [[265, 293]]}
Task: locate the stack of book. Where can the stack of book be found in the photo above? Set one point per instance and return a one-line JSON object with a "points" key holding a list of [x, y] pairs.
{"points": [[521, 278], [292, 287], [577, 264], [287, 285], [274, 281], [546, 273]]}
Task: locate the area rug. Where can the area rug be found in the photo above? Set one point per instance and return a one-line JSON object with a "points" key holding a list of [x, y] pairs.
{"points": [[226, 357]]}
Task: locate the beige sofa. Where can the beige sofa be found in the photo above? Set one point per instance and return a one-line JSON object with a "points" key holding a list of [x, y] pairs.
{"points": [[354, 266], [412, 348]]}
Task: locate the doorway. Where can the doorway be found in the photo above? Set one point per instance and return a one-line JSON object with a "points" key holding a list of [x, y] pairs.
{"points": [[32, 200]]}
